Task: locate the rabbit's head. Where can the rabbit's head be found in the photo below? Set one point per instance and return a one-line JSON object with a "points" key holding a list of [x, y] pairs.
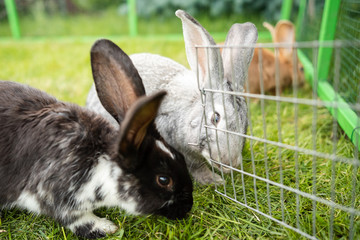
{"points": [[219, 126], [284, 32], [157, 177]]}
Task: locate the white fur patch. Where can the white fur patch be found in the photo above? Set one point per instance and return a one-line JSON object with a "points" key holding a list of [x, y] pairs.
{"points": [[101, 224], [28, 201], [105, 175], [130, 206], [105, 225], [164, 148]]}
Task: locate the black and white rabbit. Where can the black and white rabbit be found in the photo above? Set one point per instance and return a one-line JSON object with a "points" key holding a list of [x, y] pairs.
{"points": [[64, 161]]}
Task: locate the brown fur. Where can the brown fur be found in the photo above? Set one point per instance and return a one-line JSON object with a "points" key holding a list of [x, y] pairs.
{"points": [[283, 32]]}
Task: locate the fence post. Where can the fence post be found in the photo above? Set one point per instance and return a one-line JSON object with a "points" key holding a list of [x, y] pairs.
{"points": [[132, 17], [286, 9], [13, 18], [300, 17], [327, 33]]}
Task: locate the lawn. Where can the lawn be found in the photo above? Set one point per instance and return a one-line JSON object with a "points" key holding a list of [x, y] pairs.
{"points": [[61, 67]]}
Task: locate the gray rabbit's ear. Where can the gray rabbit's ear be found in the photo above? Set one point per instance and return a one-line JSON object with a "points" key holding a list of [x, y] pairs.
{"points": [[209, 59], [236, 58], [118, 83]]}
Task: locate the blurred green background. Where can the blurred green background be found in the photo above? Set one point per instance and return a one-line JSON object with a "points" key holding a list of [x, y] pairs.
{"points": [[56, 35], [43, 18]]}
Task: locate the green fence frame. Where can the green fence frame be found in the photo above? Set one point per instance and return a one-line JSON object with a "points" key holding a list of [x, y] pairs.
{"points": [[346, 117], [13, 18], [132, 18], [286, 9]]}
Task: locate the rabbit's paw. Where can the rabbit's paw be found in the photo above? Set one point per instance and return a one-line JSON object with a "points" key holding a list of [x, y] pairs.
{"points": [[91, 226], [105, 225]]}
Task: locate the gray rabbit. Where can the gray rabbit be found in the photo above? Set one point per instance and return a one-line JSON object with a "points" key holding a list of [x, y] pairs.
{"points": [[181, 116]]}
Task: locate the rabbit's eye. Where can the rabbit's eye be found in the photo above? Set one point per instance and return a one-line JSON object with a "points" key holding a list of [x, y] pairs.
{"points": [[301, 69], [215, 119], [164, 181]]}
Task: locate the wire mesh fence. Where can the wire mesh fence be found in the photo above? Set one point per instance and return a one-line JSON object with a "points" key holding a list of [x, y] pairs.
{"points": [[347, 29], [298, 167]]}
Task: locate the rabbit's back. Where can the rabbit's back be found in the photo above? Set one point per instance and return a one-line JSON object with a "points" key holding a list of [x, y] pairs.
{"points": [[39, 139], [160, 72], [183, 96], [157, 70]]}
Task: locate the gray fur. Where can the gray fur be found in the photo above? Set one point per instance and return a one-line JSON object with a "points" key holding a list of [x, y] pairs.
{"points": [[180, 120]]}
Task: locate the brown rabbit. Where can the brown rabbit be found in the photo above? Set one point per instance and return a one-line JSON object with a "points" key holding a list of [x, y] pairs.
{"points": [[283, 32]]}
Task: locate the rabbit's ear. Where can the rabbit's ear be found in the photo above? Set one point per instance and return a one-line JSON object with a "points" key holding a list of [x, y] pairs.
{"points": [[209, 60], [236, 58], [271, 29], [117, 81], [285, 33], [134, 127]]}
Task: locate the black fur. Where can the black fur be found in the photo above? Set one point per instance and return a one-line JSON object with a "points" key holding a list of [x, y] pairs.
{"points": [[32, 127], [54, 146], [160, 164], [86, 231]]}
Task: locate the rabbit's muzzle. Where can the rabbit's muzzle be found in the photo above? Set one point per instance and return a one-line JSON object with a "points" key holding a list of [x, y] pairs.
{"points": [[178, 207]]}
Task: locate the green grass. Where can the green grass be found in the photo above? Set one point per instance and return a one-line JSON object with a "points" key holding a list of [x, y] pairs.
{"points": [[63, 70], [61, 67]]}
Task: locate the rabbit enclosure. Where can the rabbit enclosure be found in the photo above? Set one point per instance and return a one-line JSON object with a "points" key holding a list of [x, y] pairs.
{"points": [[298, 168]]}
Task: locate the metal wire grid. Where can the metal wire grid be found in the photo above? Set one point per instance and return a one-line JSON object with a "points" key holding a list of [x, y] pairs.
{"points": [[309, 28], [348, 28], [298, 169]]}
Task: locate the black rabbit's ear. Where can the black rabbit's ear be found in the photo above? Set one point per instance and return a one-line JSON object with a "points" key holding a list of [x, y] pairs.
{"points": [[118, 83], [134, 127]]}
